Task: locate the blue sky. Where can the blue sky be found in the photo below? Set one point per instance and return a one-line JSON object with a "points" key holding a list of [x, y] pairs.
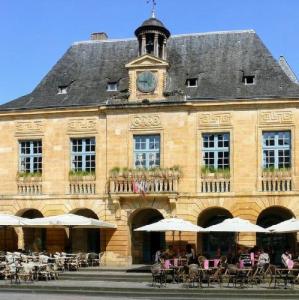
{"points": [[34, 34]]}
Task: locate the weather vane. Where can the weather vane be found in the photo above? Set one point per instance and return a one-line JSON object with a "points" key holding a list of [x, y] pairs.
{"points": [[154, 7]]}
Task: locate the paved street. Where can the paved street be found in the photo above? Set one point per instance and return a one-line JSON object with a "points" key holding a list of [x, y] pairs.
{"points": [[30, 296]]}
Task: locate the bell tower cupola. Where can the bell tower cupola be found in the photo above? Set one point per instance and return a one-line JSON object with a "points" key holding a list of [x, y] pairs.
{"points": [[152, 37]]}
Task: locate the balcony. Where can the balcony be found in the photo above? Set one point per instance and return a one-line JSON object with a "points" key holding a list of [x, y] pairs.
{"points": [[82, 183], [215, 181], [29, 184], [276, 180], [144, 182]]}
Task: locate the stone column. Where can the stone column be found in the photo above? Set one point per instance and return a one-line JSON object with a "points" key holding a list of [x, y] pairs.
{"points": [[164, 49], [156, 46], [143, 44], [20, 234]]}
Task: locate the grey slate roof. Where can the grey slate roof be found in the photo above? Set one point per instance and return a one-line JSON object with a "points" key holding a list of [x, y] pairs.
{"points": [[218, 60]]}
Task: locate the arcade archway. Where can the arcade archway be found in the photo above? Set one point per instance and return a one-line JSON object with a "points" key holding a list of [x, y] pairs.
{"points": [[214, 244], [145, 244], [85, 240], [275, 244], [34, 238]]}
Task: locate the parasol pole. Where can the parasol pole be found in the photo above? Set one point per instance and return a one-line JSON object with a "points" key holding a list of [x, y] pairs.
{"points": [[173, 238], [180, 238], [5, 242]]}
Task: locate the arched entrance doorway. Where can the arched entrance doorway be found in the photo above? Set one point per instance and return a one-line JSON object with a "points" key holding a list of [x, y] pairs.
{"points": [[34, 238], [275, 243], [8, 239], [213, 244], [145, 244], [85, 240]]}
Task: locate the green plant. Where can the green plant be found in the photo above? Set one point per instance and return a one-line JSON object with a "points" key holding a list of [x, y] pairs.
{"points": [[270, 169], [207, 169], [80, 173], [114, 171], [125, 172], [225, 172], [29, 174]]}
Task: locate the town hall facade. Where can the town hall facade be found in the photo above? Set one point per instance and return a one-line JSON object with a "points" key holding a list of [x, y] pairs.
{"points": [[198, 126]]}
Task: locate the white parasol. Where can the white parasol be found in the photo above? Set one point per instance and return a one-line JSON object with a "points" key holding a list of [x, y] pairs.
{"points": [[291, 225], [236, 225]]}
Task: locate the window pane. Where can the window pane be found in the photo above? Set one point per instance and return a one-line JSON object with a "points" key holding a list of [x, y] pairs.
{"points": [[146, 151], [216, 150], [83, 154], [30, 156], [276, 149]]}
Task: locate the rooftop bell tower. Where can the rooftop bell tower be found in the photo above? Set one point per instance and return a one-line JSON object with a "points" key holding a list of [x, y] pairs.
{"points": [[152, 37], [148, 71]]}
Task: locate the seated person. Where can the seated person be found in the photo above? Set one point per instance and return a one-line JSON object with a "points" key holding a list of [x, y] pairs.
{"points": [[190, 254], [245, 257], [169, 253], [159, 256], [263, 258], [286, 259]]}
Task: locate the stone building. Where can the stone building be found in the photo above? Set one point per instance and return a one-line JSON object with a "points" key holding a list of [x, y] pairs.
{"points": [[199, 126]]}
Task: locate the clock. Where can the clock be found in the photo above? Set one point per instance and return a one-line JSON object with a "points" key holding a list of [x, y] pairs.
{"points": [[146, 82]]}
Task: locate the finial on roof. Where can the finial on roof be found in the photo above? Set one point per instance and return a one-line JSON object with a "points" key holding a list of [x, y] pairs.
{"points": [[154, 8]]}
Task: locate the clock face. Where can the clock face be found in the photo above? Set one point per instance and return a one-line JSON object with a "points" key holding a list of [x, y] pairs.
{"points": [[146, 82]]}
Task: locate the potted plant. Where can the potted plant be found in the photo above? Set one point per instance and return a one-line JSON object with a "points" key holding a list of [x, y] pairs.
{"points": [[114, 172], [78, 175], [29, 176]]}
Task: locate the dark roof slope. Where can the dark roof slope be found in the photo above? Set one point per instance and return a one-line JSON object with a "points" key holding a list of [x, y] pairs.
{"points": [[218, 60]]}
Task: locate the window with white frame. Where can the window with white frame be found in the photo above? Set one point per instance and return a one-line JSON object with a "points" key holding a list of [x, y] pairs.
{"points": [[276, 150], [83, 155], [62, 89], [215, 150], [191, 82], [112, 87], [146, 151], [248, 80], [30, 156]]}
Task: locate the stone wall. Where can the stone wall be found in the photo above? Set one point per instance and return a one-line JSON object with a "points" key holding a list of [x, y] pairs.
{"points": [[180, 128]]}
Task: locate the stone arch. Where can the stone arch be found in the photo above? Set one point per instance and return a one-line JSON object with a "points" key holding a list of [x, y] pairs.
{"points": [[85, 240], [201, 204], [33, 239], [213, 244], [143, 245], [275, 243]]}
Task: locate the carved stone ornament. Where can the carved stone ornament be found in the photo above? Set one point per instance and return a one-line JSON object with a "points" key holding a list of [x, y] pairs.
{"points": [[82, 125], [117, 208], [276, 117], [214, 119], [144, 122], [29, 127]]}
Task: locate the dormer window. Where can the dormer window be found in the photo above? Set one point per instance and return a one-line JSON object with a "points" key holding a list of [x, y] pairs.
{"points": [[112, 87], [62, 89], [191, 82], [248, 80]]}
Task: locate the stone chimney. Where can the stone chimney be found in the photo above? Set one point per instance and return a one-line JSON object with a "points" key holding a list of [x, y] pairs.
{"points": [[99, 36]]}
